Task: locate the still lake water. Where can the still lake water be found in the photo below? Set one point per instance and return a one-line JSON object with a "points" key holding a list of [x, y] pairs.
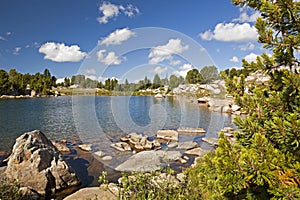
{"points": [[101, 118]]}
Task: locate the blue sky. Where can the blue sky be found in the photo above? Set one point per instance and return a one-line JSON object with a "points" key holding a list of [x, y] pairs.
{"points": [[60, 34]]}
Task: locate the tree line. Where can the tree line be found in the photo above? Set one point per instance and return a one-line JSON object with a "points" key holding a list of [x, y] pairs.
{"points": [[15, 83]]}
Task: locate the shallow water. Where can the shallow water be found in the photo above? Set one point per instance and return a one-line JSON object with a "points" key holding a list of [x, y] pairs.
{"points": [[96, 118], [101, 121]]}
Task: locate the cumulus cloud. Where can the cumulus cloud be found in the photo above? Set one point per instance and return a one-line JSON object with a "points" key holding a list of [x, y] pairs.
{"points": [[59, 52], [251, 57], [108, 58], [160, 70], [247, 15], [109, 10], [164, 52], [249, 46], [17, 50], [183, 70], [230, 32], [90, 71], [175, 62], [2, 38], [234, 59], [130, 10], [117, 37]]}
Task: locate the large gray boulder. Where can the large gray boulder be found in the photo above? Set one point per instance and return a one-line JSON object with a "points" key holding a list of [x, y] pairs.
{"points": [[37, 164], [147, 161]]}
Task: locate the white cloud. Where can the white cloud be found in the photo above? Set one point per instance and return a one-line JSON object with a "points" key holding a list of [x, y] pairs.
{"points": [[251, 57], [249, 46], [8, 33], [109, 10], [92, 77], [245, 17], [131, 10], [90, 71], [59, 52], [108, 58], [230, 32], [183, 70], [175, 62], [17, 50], [164, 52], [160, 70], [117, 37], [207, 35], [2, 38], [234, 59]]}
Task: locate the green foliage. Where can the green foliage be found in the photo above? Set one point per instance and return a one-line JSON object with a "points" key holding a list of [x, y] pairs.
{"points": [[175, 81], [193, 76], [15, 83], [264, 163], [10, 190], [209, 73]]}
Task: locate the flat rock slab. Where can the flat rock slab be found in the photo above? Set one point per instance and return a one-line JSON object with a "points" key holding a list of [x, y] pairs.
{"points": [[144, 161], [169, 155], [167, 135], [211, 141], [195, 131], [85, 147], [199, 152], [187, 145], [92, 193], [147, 161]]}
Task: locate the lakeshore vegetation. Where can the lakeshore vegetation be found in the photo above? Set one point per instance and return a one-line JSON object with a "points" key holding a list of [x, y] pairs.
{"points": [[264, 163], [15, 83]]}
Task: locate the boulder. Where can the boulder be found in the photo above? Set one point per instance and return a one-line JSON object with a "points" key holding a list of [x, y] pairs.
{"points": [[146, 161], [121, 146], [167, 135], [92, 193], [226, 109], [211, 141], [235, 108], [191, 131], [187, 145], [61, 146], [107, 158], [37, 164], [100, 153], [169, 155], [197, 152], [85, 147], [172, 144]]}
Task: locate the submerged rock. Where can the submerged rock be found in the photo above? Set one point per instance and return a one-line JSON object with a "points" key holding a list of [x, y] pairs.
{"points": [[168, 135], [37, 164], [197, 152], [211, 141], [61, 146], [85, 147], [187, 145]]}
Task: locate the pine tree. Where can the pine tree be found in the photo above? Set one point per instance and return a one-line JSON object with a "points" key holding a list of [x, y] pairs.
{"points": [[265, 161]]}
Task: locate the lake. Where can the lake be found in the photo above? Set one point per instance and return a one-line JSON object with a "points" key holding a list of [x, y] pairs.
{"points": [[100, 121], [90, 118]]}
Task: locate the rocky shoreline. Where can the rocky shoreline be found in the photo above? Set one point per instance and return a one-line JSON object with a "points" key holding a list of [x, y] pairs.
{"points": [[51, 165]]}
